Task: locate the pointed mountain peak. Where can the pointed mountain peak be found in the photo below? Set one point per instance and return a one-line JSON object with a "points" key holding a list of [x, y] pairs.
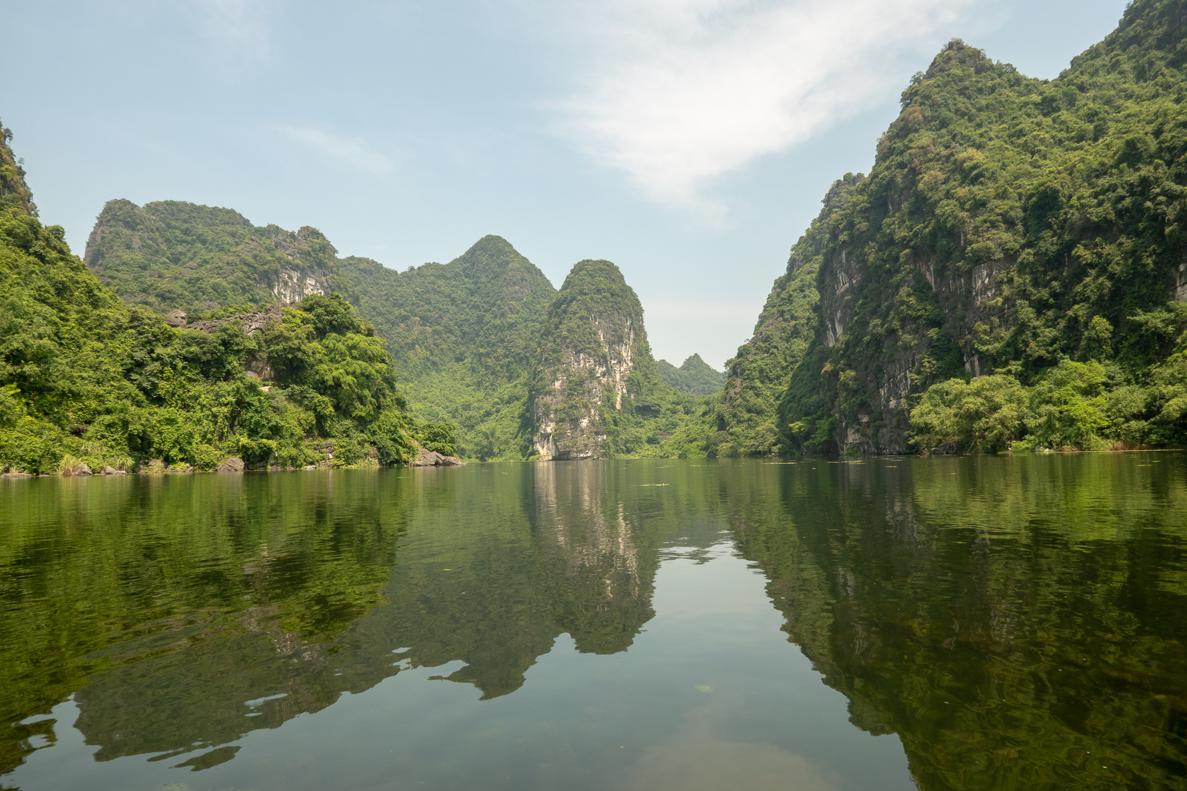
{"points": [[492, 262], [957, 55], [491, 245], [590, 270]]}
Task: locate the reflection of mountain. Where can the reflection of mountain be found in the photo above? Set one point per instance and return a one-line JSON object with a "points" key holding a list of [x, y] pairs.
{"points": [[272, 600], [1019, 623], [1016, 622], [186, 591]]}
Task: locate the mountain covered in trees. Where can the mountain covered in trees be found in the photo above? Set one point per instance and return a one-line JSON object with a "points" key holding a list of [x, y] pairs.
{"points": [[596, 389], [1011, 273], [694, 376], [469, 338], [89, 382]]}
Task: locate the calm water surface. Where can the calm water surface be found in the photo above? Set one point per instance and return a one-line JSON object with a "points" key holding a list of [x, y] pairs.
{"points": [[1015, 623]]}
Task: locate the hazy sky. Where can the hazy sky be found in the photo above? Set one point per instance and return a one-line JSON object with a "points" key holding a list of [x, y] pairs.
{"points": [[689, 141]]}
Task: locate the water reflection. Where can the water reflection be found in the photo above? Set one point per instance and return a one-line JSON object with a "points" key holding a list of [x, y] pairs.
{"points": [[1013, 623], [1019, 623]]}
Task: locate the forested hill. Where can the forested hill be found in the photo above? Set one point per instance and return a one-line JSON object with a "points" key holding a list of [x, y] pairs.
{"points": [[89, 383], [1012, 271], [466, 336], [694, 376], [462, 334]]}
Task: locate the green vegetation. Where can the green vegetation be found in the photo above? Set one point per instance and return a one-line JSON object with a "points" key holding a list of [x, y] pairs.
{"points": [[465, 336], [1012, 228], [694, 376], [86, 381], [1073, 405], [462, 334], [172, 255], [745, 421], [596, 390]]}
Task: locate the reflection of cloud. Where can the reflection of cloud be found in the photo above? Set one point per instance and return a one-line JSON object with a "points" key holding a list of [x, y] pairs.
{"points": [[694, 759], [680, 92], [238, 27], [354, 152]]}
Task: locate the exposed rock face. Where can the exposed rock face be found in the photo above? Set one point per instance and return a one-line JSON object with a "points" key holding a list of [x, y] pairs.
{"points": [[292, 287], [252, 322], [592, 346], [431, 458], [231, 464]]}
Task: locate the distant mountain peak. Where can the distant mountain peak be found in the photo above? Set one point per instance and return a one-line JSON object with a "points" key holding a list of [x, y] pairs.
{"points": [[694, 376]]}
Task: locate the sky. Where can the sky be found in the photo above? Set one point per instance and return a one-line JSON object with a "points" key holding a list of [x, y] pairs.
{"points": [[688, 141]]}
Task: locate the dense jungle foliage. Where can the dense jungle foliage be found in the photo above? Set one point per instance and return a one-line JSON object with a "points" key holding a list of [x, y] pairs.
{"points": [[1024, 230], [746, 419], [465, 336], [461, 334], [87, 380], [172, 255]]}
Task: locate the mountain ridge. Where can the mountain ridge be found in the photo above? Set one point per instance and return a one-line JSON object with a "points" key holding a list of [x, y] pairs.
{"points": [[466, 336]]}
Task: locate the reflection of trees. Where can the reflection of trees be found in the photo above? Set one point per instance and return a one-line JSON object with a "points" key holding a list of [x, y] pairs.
{"points": [[1019, 623], [166, 588], [166, 606]]}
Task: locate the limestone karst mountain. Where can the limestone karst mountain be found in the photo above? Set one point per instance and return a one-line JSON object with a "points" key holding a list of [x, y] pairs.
{"points": [[467, 336], [1027, 235]]}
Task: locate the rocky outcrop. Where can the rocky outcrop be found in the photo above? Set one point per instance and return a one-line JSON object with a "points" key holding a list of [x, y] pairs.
{"points": [[431, 458], [250, 322], [593, 345]]}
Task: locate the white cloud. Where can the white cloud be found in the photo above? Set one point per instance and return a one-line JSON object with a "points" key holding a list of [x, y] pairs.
{"points": [[238, 28], [354, 152], [680, 92]]}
